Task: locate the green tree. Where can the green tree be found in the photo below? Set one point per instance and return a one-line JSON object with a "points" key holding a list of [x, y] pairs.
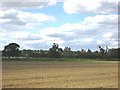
{"points": [[24, 53], [11, 50], [83, 53], [67, 52], [102, 50], [89, 54], [114, 53], [89, 51], [54, 51]]}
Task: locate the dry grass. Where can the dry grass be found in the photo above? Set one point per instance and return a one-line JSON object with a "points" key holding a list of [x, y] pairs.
{"points": [[22, 74]]}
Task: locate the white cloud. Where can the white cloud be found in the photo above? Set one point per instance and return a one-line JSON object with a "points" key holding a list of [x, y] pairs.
{"points": [[23, 38], [35, 17], [26, 16], [17, 26], [23, 35], [13, 19], [90, 6], [22, 4], [87, 40], [108, 35], [106, 19], [92, 31], [99, 42], [89, 33]]}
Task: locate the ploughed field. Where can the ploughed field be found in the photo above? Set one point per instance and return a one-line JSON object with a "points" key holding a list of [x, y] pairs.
{"points": [[60, 74]]}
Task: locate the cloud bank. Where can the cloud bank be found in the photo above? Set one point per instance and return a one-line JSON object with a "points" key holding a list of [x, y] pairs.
{"points": [[24, 27]]}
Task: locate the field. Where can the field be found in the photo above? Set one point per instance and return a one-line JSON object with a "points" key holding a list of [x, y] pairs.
{"points": [[60, 74]]}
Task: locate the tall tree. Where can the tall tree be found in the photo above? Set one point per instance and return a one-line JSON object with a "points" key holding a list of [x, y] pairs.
{"points": [[11, 50], [67, 52], [107, 43], [89, 51], [54, 51], [102, 50]]}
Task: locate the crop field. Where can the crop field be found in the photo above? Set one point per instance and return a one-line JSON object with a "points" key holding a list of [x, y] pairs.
{"points": [[60, 74]]}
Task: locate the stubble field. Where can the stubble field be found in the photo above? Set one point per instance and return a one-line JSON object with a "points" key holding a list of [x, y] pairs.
{"points": [[60, 74]]}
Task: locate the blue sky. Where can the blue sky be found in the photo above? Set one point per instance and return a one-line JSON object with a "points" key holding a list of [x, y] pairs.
{"points": [[58, 12], [74, 23]]}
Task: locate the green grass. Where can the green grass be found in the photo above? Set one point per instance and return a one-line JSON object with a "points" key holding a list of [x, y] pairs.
{"points": [[57, 59]]}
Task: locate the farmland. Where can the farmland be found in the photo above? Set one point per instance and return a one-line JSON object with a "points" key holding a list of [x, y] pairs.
{"points": [[60, 74]]}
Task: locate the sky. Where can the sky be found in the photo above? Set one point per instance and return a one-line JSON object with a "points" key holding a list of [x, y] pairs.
{"points": [[79, 24]]}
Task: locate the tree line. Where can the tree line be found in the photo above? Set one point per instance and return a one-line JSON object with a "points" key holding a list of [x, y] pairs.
{"points": [[12, 50]]}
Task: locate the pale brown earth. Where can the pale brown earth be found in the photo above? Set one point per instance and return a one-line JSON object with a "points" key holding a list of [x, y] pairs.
{"points": [[60, 74]]}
